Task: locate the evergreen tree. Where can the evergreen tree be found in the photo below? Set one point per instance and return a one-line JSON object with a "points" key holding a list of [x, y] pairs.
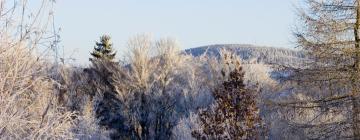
{"points": [[103, 49]]}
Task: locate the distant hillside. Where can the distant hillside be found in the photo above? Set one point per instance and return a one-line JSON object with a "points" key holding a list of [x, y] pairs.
{"points": [[267, 55]]}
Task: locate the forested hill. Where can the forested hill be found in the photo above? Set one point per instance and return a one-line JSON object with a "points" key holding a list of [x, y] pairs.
{"points": [[267, 55]]}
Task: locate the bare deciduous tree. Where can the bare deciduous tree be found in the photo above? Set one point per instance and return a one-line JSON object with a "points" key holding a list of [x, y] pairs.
{"points": [[329, 32]]}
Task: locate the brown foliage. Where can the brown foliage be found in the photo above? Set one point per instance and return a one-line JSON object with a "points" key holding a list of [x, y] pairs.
{"points": [[235, 115]]}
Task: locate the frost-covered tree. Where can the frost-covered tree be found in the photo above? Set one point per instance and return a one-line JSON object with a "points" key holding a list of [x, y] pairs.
{"points": [[34, 102], [329, 32], [145, 97], [235, 114]]}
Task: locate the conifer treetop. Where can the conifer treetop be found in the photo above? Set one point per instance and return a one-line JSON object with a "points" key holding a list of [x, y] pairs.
{"points": [[103, 49]]}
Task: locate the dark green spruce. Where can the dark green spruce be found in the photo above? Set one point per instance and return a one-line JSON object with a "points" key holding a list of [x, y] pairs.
{"points": [[103, 49]]}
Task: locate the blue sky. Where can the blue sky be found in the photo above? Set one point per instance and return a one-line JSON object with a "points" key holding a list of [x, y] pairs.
{"points": [[192, 22]]}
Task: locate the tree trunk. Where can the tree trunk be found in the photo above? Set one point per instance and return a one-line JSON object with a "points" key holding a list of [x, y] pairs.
{"points": [[355, 94]]}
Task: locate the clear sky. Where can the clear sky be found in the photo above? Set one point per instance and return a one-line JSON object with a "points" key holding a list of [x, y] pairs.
{"points": [[192, 22]]}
